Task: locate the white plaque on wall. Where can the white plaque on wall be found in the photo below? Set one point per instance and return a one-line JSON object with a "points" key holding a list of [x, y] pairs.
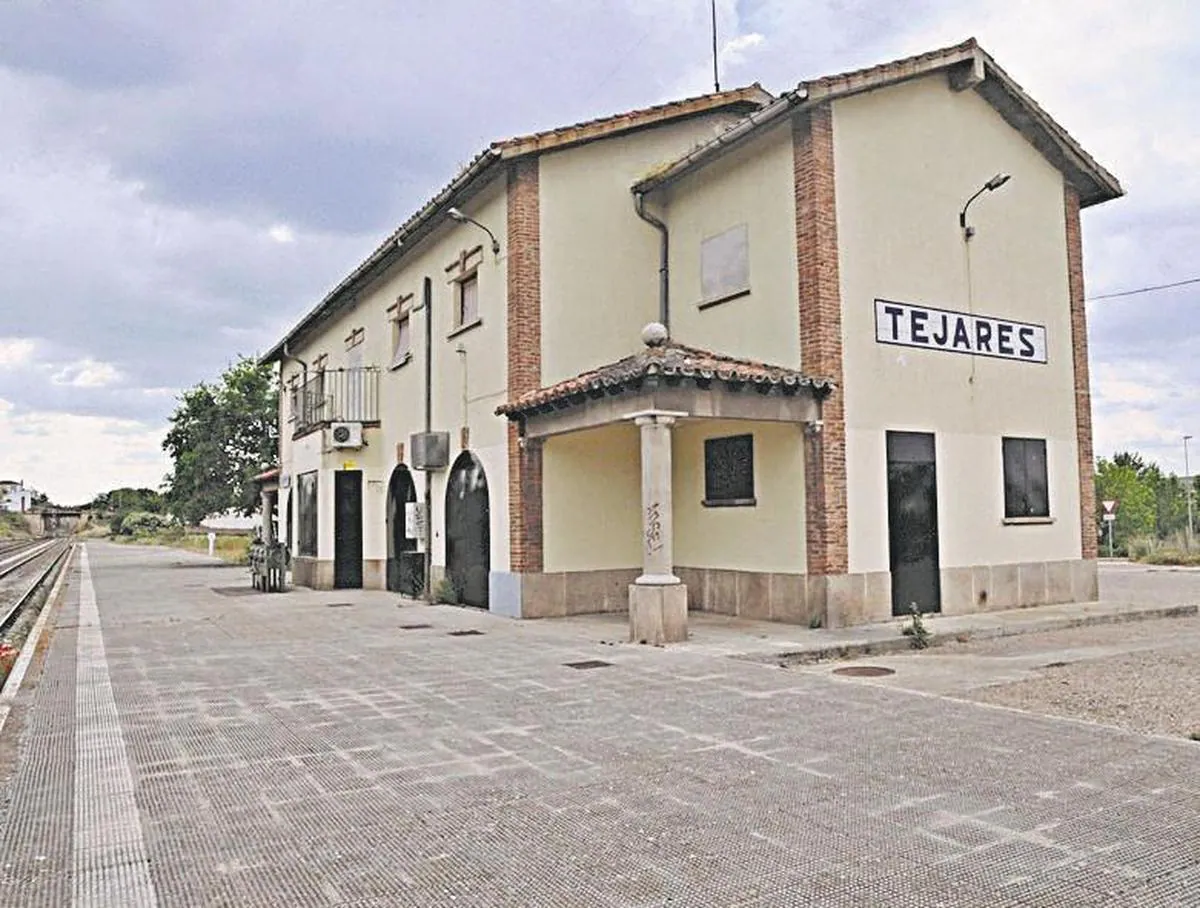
{"points": [[912, 325]]}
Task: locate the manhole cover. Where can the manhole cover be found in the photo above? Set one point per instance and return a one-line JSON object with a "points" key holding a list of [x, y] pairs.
{"points": [[588, 663], [864, 671], [470, 633], [339, 605], [415, 627]]}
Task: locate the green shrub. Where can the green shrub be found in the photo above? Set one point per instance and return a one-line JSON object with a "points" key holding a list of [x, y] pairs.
{"points": [[444, 592], [141, 523]]}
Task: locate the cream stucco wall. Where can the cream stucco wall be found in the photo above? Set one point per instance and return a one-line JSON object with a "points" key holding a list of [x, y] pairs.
{"points": [[599, 260], [750, 186], [591, 490], [907, 158], [468, 386], [767, 537]]}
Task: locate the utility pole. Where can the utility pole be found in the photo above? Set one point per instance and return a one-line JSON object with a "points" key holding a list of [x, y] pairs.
{"points": [[716, 71], [1187, 479]]}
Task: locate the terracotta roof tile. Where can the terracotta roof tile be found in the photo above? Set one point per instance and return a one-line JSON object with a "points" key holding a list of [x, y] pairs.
{"points": [[672, 362]]}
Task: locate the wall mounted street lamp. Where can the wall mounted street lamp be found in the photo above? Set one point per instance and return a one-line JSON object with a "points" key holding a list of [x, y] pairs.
{"points": [[990, 186], [455, 215]]}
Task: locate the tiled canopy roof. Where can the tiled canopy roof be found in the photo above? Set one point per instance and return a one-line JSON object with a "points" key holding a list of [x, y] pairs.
{"points": [[673, 364]]}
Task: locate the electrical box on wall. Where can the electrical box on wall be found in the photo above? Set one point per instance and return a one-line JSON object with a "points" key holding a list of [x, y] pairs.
{"points": [[430, 450]]}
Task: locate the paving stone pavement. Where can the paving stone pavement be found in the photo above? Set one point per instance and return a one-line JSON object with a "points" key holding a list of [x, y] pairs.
{"points": [[292, 750]]}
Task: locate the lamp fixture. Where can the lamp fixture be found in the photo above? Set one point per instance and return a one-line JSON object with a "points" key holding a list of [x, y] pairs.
{"points": [[457, 216], [990, 186]]}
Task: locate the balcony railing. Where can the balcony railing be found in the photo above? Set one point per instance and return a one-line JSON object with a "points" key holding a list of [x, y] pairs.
{"points": [[335, 395]]}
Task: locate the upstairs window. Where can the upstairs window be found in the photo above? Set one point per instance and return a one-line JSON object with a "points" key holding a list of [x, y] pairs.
{"points": [[466, 302], [729, 471], [725, 265], [1026, 489]]}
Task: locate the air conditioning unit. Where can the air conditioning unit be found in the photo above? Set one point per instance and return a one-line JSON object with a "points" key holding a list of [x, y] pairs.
{"points": [[346, 434]]}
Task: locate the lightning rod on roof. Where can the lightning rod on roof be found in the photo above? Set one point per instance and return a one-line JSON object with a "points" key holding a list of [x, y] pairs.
{"points": [[716, 73]]}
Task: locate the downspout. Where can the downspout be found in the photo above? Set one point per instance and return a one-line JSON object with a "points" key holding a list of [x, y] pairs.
{"points": [[427, 304], [287, 354], [664, 275]]}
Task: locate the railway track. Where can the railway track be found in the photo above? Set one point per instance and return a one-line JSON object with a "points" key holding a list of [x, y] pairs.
{"points": [[26, 574]]}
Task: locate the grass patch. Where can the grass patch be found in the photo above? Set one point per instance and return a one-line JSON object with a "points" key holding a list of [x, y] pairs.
{"points": [[13, 526], [231, 548], [1171, 557]]}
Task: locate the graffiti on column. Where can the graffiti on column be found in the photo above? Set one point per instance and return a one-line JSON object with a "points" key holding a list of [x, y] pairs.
{"points": [[654, 533]]}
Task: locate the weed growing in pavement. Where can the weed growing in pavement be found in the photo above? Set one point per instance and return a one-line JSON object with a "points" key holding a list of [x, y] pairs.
{"points": [[1195, 736], [445, 593], [916, 630]]}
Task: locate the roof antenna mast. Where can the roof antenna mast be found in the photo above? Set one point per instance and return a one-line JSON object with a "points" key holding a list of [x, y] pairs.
{"points": [[716, 74]]}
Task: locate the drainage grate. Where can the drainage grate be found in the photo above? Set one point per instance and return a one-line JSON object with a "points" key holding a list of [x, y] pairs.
{"points": [[339, 605], [588, 663], [1055, 665], [234, 590], [864, 671], [415, 627], [470, 633]]}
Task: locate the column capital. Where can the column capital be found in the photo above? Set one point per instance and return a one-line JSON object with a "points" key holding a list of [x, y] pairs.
{"points": [[661, 417]]}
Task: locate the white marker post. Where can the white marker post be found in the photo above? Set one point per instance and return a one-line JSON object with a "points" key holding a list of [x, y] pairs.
{"points": [[1110, 517]]}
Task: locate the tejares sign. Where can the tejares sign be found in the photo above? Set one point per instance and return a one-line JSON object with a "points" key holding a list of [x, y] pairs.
{"points": [[909, 325]]}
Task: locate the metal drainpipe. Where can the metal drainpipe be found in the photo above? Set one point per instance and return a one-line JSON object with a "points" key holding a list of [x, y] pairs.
{"points": [[427, 303], [664, 275]]}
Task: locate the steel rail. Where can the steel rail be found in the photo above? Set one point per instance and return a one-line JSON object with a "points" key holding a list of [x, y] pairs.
{"points": [[34, 553], [10, 616]]}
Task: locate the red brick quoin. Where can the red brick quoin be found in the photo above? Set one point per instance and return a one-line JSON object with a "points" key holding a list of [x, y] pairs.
{"points": [[1083, 392], [821, 337], [524, 362]]}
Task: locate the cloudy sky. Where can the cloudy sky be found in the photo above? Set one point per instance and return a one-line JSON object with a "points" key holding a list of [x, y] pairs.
{"points": [[181, 179]]}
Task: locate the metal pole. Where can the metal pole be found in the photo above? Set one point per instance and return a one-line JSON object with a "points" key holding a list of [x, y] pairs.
{"points": [[427, 301], [716, 73], [1187, 478], [1111, 526]]}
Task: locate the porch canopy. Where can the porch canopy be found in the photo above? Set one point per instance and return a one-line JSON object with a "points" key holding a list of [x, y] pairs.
{"points": [[669, 377], [654, 388]]}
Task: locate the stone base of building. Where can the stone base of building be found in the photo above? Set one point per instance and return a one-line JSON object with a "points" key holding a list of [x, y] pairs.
{"points": [[836, 600], [560, 593], [317, 573], [658, 614]]}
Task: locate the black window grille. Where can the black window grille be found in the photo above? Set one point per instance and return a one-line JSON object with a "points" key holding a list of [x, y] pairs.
{"points": [[1026, 488], [729, 471]]}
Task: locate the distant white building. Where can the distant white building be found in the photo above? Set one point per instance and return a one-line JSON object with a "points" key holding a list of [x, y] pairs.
{"points": [[15, 496]]}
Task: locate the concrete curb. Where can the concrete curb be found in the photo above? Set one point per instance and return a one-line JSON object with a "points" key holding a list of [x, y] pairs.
{"points": [[899, 643]]}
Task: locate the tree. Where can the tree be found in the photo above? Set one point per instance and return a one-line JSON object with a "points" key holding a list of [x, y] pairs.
{"points": [[221, 435], [1134, 494]]}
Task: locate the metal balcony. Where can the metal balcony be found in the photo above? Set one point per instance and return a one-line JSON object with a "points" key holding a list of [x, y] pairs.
{"points": [[334, 395]]}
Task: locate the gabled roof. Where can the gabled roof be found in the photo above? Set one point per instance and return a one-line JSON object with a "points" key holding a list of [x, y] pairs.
{"points": [[482, 168], [967, 66], [673, 363]]}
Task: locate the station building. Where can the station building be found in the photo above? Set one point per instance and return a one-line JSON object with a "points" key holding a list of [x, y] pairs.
{"points": [[813, 358]]}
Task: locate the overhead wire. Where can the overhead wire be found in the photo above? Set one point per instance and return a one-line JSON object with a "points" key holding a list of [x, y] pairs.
{"points": [[1151, 289]]}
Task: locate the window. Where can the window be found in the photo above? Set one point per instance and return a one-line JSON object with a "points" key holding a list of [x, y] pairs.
{"points": [[1025, 487], [729, 471], [401, 340], [466, 304], [306, 514], [725, 265]]}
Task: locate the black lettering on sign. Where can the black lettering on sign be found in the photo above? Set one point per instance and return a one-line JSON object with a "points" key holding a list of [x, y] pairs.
{"points": [[1004, 339], [895, 312], [939, 337], [983, 335], [1025, 335], [919, 317], [962, 337]]}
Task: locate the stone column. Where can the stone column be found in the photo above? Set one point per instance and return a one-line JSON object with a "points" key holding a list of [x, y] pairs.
{"points": [[657, 600], [268, 507]]}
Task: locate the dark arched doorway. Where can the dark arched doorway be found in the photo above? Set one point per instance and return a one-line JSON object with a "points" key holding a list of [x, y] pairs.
{"points": [[405, 565], [468, 535]]}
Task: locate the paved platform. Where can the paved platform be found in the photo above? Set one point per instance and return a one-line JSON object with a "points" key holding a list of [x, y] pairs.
{"points": [[192, 743]]}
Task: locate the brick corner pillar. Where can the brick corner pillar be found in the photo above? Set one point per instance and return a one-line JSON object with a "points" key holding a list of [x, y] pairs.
{"points": [[524, 361], [820, 302], [1083, 391]]}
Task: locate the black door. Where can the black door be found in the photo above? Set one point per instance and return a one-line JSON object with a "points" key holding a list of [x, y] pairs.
{"points": [[912, 522], [405, 565], [468, 538], [347, 529]]}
